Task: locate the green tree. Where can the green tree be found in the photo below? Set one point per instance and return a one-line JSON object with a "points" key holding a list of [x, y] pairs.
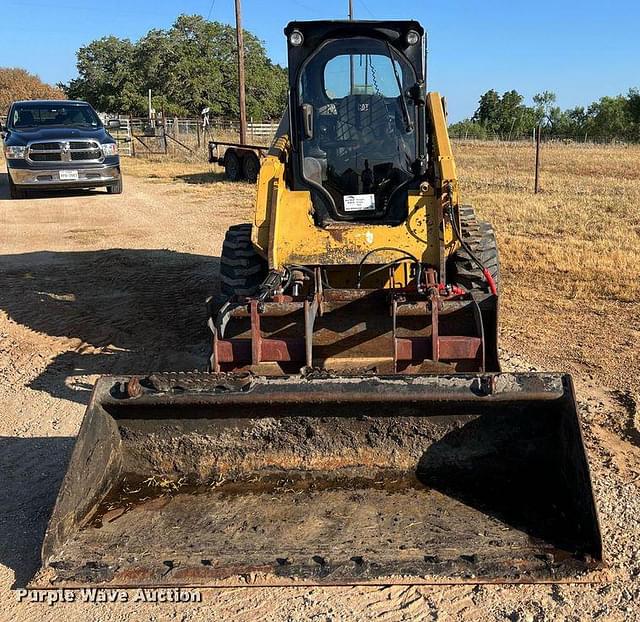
{"points": [[488, 111], [188, 67], [633, 109], [107, 77], [504, 116], [609, 118], [543, 105], [468, 128], [515, 117]]}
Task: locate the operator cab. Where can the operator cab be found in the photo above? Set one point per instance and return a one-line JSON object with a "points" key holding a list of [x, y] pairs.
{"points": [[357, 102]]}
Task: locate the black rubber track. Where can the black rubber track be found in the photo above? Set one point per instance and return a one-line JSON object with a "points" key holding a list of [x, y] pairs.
{"points": [[480, 237], [241, 268]]}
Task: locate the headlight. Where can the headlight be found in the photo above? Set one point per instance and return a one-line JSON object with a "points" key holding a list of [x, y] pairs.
{"points": [[109, 149], [296, 38], [15, 152], [412, 37]]}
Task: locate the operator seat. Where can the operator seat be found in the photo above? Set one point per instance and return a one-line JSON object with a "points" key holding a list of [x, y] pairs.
{"points": [[363, 118]]}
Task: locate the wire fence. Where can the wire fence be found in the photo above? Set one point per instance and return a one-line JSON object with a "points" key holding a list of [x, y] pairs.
{"points": [[547, 138], [177, 126]]}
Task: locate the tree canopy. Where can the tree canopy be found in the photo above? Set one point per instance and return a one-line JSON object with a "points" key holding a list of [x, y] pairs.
{"points": [[18, 84], [507, 117], [188, 67]]}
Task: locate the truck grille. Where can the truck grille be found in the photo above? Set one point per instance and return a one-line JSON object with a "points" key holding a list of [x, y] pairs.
{"points": [[65, 151]]}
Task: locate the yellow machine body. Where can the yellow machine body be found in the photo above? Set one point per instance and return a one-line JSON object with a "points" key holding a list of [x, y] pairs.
{"points": [[285, 231]]}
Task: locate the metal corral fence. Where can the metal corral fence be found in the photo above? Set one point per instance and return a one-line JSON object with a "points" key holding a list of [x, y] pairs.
{"points": [[123, 137], [256, 132], [137, 135]]}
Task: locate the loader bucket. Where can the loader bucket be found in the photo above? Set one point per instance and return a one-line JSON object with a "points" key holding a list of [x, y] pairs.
{"points": [[220, 479]]}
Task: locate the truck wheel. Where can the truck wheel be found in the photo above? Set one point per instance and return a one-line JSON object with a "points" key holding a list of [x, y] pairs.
{"points": [[481, 239], [241, 268], [251, 167], [232, 168], [115, 188], [15, 192]]}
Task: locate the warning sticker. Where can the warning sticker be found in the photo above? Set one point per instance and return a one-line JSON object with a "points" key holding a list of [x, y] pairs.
{"points": [[359, 202]]}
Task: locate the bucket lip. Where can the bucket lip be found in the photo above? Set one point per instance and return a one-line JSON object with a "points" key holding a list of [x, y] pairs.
{"points": [[497, 387], [327, 387]]}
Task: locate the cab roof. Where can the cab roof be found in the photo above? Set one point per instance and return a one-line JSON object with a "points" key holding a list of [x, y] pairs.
{"points": [[73, 102]]}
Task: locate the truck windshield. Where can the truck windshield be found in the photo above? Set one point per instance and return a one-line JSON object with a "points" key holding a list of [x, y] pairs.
{"points": [[360, 146], [53, 115]]}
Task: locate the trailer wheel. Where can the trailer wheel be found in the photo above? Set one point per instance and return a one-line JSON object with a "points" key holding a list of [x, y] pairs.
{"points": [[242, 270], [480, 237], [232, 168], [251, 167]]}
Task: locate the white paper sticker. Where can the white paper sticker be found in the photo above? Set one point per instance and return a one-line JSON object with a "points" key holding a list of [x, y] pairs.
{"points": [[359, 202], [67, 175]]}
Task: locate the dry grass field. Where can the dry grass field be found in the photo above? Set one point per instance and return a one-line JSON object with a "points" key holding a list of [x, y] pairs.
{"points": [[570, 255], [94, 284]]}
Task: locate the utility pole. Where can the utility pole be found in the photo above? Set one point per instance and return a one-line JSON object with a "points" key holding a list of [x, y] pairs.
{"points": [[241, 89], [351, 64]]}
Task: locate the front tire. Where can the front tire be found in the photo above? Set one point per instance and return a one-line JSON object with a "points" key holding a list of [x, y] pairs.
{"points": [[115, 188], [242, 269], [15, 192]]}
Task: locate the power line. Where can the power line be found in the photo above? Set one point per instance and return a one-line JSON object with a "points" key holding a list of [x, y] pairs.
{"points": [[366, 8], [306, 7], [213, 2]]}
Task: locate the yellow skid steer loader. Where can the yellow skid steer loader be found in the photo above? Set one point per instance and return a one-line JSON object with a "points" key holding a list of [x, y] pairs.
{"points": [[354, 425]]}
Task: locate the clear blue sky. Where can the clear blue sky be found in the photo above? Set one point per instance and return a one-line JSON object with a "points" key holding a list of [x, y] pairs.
{"points": [[580, 49]]}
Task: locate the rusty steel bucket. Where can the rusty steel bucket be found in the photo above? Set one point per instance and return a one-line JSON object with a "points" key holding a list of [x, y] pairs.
{"points": [[236, 479]]}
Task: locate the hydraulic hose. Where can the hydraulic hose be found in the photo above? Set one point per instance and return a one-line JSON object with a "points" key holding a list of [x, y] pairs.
{"points": [[485, 271]]}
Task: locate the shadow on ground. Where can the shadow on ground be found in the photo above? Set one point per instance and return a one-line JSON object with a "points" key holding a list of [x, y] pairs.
{"points": [[123, 311], [33, 469], [134, 311], [201, 178]]}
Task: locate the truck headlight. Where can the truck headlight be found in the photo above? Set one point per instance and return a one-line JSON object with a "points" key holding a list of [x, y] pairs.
{"points": [[109, 149], [15, 152]]}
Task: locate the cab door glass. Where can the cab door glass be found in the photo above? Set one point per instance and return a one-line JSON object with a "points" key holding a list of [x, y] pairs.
{"points": [[362, 148]]}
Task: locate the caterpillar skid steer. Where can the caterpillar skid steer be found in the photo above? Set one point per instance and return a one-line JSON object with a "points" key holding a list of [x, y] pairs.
{"points": [[354, 425]]}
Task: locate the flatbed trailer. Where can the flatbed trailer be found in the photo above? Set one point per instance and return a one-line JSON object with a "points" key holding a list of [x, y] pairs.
{"points": [[240, 161]]}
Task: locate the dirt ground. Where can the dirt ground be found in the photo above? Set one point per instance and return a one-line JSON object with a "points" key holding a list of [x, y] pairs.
{"points": [[93, 284]]}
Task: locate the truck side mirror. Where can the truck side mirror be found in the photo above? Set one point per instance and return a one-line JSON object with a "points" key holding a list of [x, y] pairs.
{"points": [[113, 124], [307, 120]]}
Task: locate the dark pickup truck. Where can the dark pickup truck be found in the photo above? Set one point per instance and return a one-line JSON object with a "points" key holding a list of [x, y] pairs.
{"points": [[59, 144]]}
